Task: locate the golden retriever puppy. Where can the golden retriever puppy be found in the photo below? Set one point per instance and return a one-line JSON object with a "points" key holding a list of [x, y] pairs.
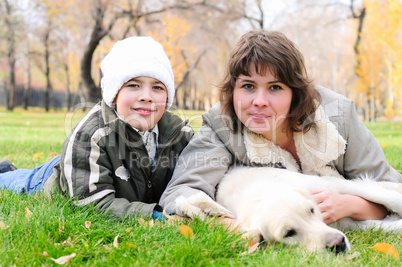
{"points": [[274, 204]]}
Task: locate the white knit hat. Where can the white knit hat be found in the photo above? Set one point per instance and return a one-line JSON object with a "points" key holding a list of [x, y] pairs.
{"points": [[134, 57]]}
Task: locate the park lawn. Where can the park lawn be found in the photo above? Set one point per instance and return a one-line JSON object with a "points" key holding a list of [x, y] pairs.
{"points": [[34, 229]]}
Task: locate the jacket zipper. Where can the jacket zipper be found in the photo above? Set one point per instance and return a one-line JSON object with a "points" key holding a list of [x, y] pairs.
{"points": [[149, 181], [168, 144]]}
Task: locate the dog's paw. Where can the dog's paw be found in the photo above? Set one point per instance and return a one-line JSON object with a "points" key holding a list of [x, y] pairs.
{"points": [[200, 205], [185, 208]]}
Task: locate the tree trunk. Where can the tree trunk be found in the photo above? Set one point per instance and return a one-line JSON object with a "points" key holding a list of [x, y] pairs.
{"points": [[91, 91], [359, 33], [10, 95], [28, 84], [68, 93], [49, 89]]}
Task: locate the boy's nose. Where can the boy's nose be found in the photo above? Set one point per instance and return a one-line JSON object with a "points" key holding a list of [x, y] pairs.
{"points": [[146, 95]]}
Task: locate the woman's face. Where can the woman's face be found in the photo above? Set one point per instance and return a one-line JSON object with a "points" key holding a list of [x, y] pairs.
{"points": [[262, 103]]}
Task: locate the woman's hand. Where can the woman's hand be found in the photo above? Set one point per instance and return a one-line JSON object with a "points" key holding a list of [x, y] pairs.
{"points": [[335, 207]]}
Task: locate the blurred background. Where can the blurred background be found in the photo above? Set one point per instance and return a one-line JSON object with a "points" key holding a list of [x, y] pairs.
{"points": [[51, 50]]}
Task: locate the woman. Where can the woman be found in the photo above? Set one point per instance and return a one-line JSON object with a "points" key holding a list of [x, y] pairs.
{"points": [[271, 114]]}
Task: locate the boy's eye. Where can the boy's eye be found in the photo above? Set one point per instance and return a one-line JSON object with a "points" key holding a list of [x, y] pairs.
{"points": [[275, 87], [158, 88]]}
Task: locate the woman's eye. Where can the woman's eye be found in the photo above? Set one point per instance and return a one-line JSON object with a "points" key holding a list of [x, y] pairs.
{"points": [[247, 86], [275, 87], [132, 85]]}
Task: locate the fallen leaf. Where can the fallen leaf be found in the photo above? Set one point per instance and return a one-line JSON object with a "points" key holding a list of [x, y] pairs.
{"points": [[115, 242], [3, 226], [130, 245], [53, 154], [353, 256], [37, 155], [68, 241], [28, 213], [86, 244], [251, 249], [128, 230], [252, 242], [88, 224], [141, 221], [186, 231], [61, 229], [387, 249], [45, 254], [151, 223], [64, 259]]}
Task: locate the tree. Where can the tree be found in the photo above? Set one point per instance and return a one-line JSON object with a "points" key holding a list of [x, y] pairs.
{"points": [[380, 70], [105, 15], [10, 96]]}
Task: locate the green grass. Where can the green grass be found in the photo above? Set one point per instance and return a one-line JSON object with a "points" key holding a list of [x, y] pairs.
{"points": [[57, 228]]}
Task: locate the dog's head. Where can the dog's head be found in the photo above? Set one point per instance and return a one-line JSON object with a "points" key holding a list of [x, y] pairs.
{"points": [[291, 216]]}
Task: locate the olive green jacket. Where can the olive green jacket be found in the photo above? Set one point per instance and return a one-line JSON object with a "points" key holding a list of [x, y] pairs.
{"points": [[104, 162]]}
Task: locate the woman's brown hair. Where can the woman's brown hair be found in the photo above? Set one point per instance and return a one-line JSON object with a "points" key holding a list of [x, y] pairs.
{"points": [[271, 50]]}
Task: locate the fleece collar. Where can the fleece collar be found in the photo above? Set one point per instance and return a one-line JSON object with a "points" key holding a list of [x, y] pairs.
{"points": [[316, 148]]}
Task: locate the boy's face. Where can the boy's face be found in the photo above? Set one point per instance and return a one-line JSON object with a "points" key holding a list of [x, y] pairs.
{"points": [[141, 102]]}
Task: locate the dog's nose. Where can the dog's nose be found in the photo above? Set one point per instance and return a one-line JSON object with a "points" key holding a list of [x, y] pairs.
{"points": [[337, 244]]}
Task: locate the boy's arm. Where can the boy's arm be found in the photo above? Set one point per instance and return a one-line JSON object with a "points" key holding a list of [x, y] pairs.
{"points": [[87, 175]]}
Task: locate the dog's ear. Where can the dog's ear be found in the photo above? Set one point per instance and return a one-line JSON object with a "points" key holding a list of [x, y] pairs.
{"points": [[305, 192]]}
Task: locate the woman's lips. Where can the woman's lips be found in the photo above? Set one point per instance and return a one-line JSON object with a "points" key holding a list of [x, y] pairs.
{"points": [[259, 116]]}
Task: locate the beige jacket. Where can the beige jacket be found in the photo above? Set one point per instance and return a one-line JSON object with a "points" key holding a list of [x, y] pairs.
{"points": [[340, 145]]}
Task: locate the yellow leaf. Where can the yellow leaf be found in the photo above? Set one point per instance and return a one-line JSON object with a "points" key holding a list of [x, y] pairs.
{"points": [[186, 231], [86, 244], [88, 224], [252, 242], [115, 242], [37, 155], [63, 259], [28, 213], [3, 226], [387, 249], [141, 221], [53, 154]]}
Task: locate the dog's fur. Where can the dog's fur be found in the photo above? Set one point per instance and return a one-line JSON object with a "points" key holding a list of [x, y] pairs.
{"points": [[276, 205]]}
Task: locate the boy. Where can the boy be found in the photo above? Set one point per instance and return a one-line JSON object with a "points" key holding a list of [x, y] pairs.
{"points": [[121, 155]]}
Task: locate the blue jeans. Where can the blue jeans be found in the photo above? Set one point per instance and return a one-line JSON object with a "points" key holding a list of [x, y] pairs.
{"points": [[28, 181]]}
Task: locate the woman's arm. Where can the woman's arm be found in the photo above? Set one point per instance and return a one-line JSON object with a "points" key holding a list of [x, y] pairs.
{"points": [[335, 207], [201, 166]]}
